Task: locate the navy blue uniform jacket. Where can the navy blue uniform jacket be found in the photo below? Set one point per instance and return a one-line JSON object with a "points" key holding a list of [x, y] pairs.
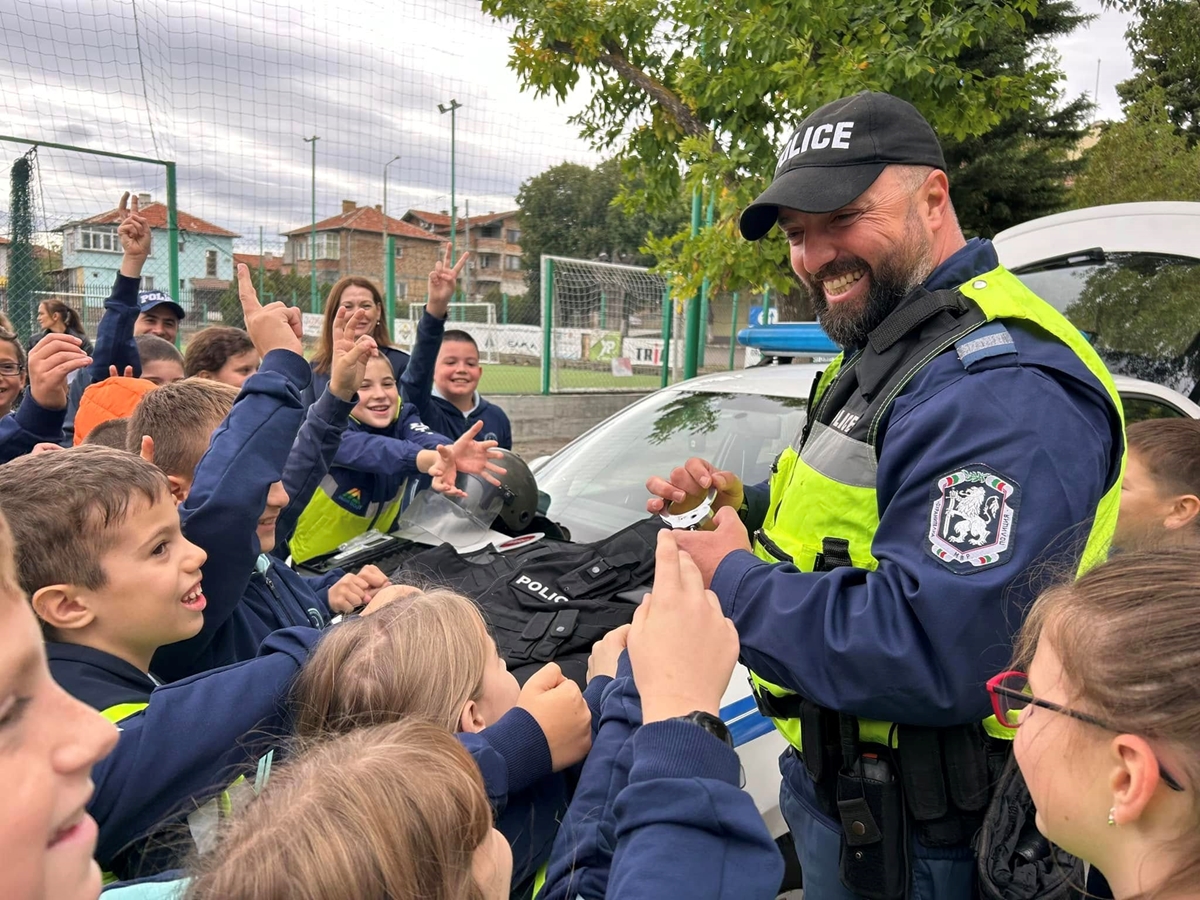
{"points": [[188, 743], [249, 595], [28, 425], [658, 813], [913, 641], [438, 413]]}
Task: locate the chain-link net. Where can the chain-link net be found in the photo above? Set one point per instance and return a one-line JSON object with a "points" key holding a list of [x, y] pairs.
{"points": [[232, 92]]}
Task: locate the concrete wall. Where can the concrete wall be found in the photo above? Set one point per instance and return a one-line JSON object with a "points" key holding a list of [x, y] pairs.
{"points": [[558, 418]]}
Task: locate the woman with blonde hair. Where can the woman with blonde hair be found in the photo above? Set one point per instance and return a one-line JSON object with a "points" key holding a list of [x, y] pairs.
{"points": [[353, 293]]}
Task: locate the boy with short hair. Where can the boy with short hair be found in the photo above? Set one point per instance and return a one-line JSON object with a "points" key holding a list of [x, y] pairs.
{"points": [[108, 434], [443, 372], [231, 465], [1160, 493], [161, 362], [112, 578]]}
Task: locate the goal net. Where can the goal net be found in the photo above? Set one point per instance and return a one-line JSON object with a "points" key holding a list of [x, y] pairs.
{"points": [[477, 318], [609, 331]]}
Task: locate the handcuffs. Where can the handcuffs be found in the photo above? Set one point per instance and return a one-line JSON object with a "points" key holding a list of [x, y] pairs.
{"points": [[693, 518]]}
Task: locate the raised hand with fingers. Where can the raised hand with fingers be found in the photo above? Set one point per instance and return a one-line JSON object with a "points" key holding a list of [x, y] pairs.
{"points": [[271, 327], [466, 455], [442, 281], [113, 373], [134, 234], [681, 646], [689, 484], [50, 362], [349, 364]]}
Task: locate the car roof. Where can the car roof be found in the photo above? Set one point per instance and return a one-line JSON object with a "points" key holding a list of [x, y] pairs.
{"points": [[772, 380], [1127, 386], [1165, 227]]}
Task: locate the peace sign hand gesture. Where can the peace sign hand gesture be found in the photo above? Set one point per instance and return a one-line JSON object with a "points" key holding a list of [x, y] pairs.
{"points": [[442, 281], [134, 233], [271, 327]]}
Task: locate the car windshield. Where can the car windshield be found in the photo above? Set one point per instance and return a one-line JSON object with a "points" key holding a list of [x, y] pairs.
{"points": [[597, 485], [1140, 310]]}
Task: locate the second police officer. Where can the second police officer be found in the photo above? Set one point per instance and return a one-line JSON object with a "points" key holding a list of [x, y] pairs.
{"points": [[967, 433]]}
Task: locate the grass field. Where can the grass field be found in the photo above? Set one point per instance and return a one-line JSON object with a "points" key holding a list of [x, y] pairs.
{"points": [[505, 379]]}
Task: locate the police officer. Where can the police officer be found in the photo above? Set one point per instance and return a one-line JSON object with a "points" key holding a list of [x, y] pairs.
{"points": [[966, 432]]}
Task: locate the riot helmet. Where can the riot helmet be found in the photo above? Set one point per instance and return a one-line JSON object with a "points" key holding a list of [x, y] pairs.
{"points": [[513, 503]]}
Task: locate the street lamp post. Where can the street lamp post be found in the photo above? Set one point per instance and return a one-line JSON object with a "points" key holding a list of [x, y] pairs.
{"points": [[452, 108], [385, 213], [312, 240]]}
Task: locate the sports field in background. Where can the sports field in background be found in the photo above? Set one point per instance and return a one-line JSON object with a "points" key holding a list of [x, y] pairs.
{"points": [[505, 379]]}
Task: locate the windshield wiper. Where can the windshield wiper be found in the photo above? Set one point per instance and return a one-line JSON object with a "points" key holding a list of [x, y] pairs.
{"points": [[1066, 261]]}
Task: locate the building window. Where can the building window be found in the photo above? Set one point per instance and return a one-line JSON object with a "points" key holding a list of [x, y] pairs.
{"points": [[490, 231], [328, 247], [147, 283], [513, 235], [486, 262], [97, 237], [401, 290], [399, 250], [512, 263], [71, 241], [210, 263]]}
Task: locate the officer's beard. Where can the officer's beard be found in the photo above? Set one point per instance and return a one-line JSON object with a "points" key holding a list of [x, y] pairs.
{"points": [[849, 324]]}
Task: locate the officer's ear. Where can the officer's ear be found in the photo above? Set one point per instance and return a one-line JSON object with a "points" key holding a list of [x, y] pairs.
{"points": [[933, 201], [471, 720], [63, 607]]}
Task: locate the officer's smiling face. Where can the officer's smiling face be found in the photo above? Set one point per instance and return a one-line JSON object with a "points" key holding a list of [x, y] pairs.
{"points": [[859, 261]]}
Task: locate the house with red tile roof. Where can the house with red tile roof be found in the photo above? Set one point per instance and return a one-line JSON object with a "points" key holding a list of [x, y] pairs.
{"points": [[494, 240]]}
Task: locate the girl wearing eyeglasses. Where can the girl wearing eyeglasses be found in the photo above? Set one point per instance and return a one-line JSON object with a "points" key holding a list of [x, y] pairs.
{"points": [[12, 371], [1107, 720]]}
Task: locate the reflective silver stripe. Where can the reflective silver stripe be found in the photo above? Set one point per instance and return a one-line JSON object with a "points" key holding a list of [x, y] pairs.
{"points": [[839, 457]]}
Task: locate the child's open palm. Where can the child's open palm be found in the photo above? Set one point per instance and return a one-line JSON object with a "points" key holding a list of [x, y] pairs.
{"points": [[466, 455]]}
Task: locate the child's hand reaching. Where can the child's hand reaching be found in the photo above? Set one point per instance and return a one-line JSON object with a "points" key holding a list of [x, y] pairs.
{"points": [[134, 233], [271, 327], [352, 591], [54, 358], [465, 455], [349, 364], [556, 704], [442, 281]]}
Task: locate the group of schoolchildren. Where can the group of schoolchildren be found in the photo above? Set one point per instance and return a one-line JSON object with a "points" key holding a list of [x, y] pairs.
{"points": [[184, 715]]}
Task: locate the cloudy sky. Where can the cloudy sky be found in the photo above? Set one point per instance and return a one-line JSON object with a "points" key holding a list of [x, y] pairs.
{"points": [[230, 88]]}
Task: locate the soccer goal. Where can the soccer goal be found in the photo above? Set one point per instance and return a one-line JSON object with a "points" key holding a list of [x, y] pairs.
{"points": [[613, 326], [477, 318]]}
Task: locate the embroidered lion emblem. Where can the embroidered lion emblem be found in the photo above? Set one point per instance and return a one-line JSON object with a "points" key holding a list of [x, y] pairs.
{"points": [[975, 512]]}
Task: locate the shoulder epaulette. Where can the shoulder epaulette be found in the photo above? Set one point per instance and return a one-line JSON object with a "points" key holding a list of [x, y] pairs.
{"points": [[991, 339]]}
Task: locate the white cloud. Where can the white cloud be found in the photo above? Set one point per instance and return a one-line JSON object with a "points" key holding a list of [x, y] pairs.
{"points": [[1103, 42]]}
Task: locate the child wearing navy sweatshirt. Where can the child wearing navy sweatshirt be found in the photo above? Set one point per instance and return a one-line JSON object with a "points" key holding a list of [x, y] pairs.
{"points": [[39, 418], [442, 376], [385, 445], [428, 656], [233, 495], [111, 577]]}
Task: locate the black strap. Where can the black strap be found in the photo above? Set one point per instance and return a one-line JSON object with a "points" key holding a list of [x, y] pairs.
{"points": [[911, 315], [835, 554], [921, 770], [786, 707]]}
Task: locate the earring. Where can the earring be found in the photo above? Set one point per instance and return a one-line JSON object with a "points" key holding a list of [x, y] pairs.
{"points": [[1112, 816]]}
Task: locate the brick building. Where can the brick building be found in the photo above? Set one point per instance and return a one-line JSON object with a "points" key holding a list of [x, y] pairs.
{"points": [[352, 243], [495, 244]]}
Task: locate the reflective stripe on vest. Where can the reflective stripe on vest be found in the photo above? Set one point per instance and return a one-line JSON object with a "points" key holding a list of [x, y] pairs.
{"points": [[826, 488], [120, 712], [325, 525]]}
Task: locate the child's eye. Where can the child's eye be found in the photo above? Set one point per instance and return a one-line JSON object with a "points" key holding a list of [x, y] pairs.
{"points": [[160, 548], [13, 712]]}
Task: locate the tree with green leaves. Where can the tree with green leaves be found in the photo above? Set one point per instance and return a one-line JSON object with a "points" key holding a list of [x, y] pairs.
{"points": [[569, 210], [1141, 158], [1164, 41], [701, 95]]}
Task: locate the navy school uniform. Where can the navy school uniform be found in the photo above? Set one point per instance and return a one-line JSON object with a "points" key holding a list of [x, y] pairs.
{"points": [[249, 595], [29, 424], [437, 412], [180, 742]]}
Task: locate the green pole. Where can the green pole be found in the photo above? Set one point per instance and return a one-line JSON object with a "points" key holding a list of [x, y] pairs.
{"points": [[504, 308], [733, 324], [668, 314], [312, 241], [692, 321], [173, 236], [702, 335], [262, 267], [390, 305], [547, 320], [603, 309], [766, 315]]}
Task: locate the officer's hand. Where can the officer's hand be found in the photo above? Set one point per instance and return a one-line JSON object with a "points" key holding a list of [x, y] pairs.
{"points": [[708, 548], [689, 484], [606, 652], [681, 646], [557, 705]]}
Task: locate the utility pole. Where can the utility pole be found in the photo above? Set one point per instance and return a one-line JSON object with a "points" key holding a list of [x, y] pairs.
{"points": [[385, 219], [1096, 94], [452, 109], [466, 248], [312, 240]]}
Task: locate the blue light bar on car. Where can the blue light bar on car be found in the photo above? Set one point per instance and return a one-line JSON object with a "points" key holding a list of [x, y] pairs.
{"points": [[789, 339]]}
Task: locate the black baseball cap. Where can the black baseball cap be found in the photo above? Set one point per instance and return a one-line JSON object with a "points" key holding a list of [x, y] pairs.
{"points": [[148, 300], [838, 152]]}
